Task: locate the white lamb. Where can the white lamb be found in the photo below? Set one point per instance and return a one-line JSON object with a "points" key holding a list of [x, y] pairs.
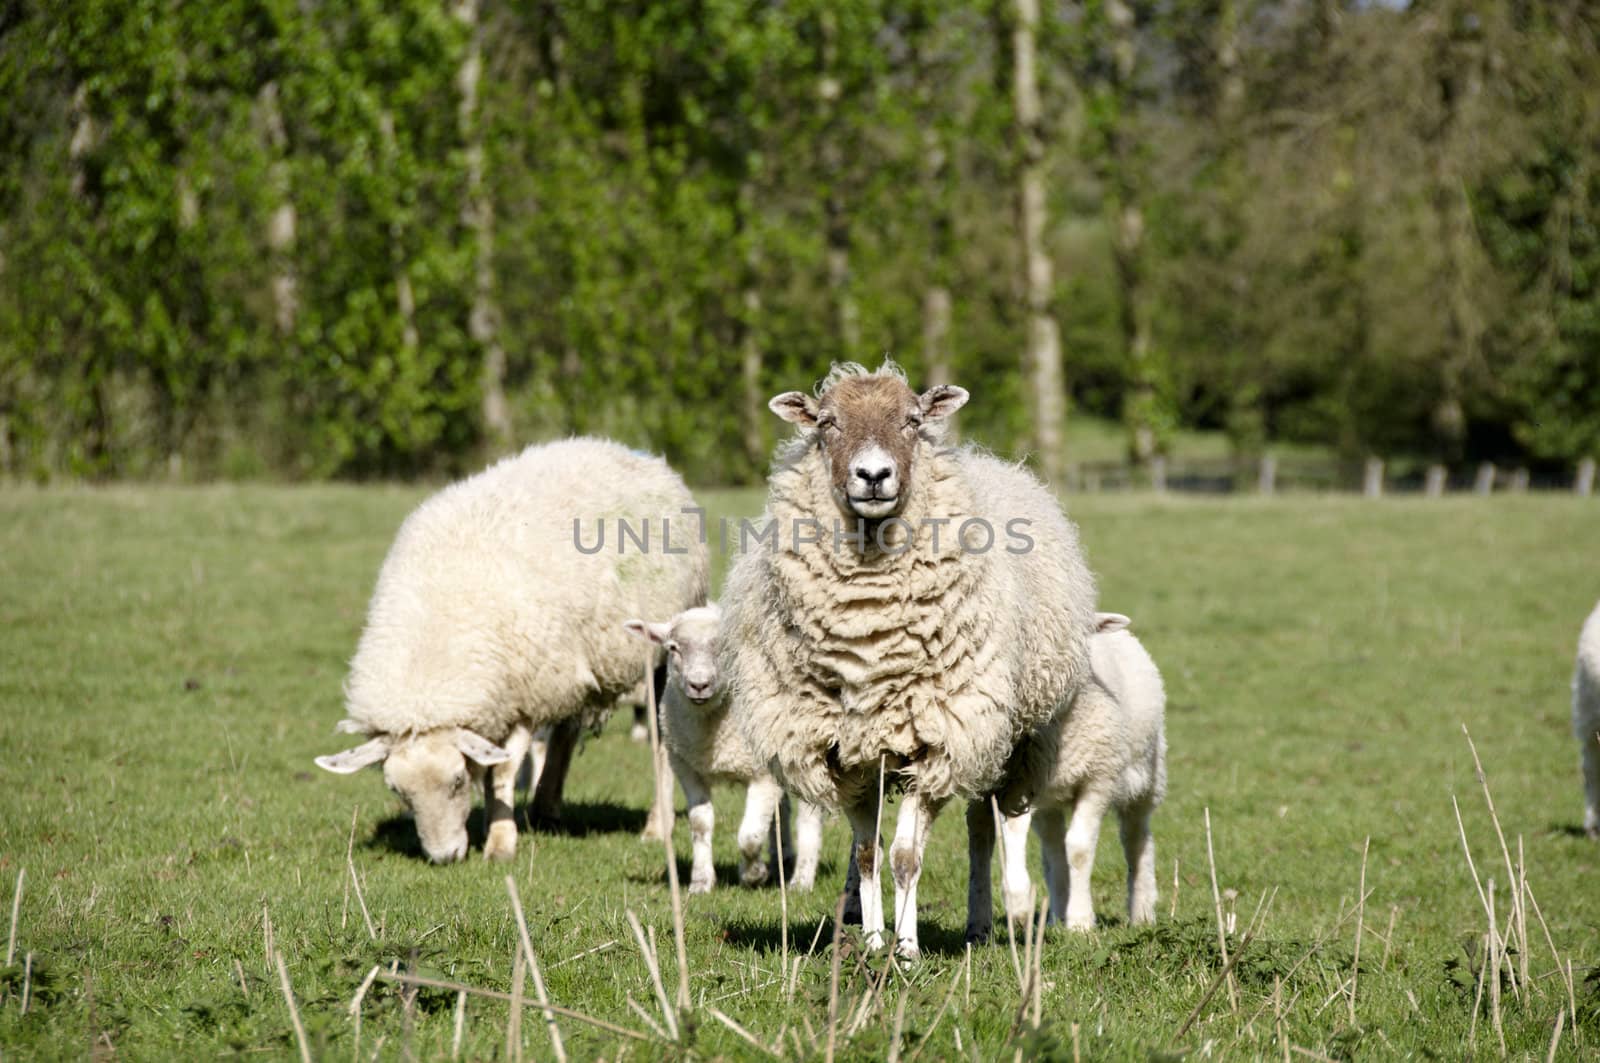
{"points": [[1106, 748], [916, 606], [704, 747], [496, 614], [1586, 718]]}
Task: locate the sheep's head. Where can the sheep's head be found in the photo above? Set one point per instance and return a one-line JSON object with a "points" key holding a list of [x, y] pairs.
{"points": [[868, 426], [691, 642], [432, 773]]}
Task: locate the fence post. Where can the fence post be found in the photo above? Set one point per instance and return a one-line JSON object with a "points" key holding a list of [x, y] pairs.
{"points": [[1267, 476], [1519, 481], [1158, 474], [1372, 478], [1583, 486], [1433, 486], [1484, 484]]}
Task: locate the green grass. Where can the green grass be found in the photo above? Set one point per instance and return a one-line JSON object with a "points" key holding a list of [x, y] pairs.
{"points": [[171, 659]]}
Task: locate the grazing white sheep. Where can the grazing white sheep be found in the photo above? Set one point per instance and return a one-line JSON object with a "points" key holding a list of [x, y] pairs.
{"points": [[916, 606], [1106, 748], [704, 747], [496, 615], [1586, 718]]}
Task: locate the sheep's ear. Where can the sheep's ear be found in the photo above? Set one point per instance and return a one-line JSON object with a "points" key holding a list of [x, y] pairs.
{"points": [[1105, 623], [941, 400], [656, 633], [796, 407], [352, 760], [478, 748]]}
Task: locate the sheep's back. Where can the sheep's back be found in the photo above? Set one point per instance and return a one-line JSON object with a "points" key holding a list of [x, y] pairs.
{"points": [[487, 612]]}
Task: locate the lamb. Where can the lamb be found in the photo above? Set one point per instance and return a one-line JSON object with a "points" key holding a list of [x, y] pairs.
{"points": [[1586, 718], [1107, 747], [879, 619], [495, 615], [703, 747]]}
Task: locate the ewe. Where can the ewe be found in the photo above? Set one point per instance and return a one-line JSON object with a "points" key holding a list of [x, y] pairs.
{"points": [[493, 618], [704, 747], [1106, 748], [1586, 718], [913, 605]]}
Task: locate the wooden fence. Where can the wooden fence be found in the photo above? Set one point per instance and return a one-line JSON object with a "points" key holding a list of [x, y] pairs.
{"points": [[1271, 474]]}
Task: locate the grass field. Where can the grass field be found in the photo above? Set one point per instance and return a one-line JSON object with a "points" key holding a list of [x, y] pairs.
{"points": [[171, 660]]}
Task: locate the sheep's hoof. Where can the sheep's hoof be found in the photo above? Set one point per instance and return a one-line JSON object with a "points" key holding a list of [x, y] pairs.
{"points": [[701, 885], [754, 873], [801, 885], [639, 733], [852, 909], [1080, 922], [651, 832], [1593, 832], [907, 950], [501, 843], [978, 935]]}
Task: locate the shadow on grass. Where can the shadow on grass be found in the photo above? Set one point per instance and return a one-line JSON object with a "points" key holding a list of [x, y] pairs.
{"points": [[1568, 830], [579, 819], [766, 936]]}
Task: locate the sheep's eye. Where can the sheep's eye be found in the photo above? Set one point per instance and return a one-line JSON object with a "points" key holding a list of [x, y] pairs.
{"points": [[672, 647], [458, 783], [913, 423], [828, 424]]}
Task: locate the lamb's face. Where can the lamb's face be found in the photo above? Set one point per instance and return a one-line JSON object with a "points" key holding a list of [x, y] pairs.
{"points": [[868, 428], [433, 774], [690, 639]]}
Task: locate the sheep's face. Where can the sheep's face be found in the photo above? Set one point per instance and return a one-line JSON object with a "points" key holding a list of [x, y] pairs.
{"points": [[433, 774], [868, 428], [690, 639]]}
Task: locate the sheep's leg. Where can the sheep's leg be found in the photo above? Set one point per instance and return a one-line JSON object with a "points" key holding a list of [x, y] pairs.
{"points": [[553, 776], [640, 731], [905, 860], [1591, 780], [980, 855], [807, 845], [783, 824], [500, 796], [1051, 826], [1014, 881], [852, 890], [702, 818], [760, 802], [538, 753], [1082, 835], [1139, 846], [863, 818]]}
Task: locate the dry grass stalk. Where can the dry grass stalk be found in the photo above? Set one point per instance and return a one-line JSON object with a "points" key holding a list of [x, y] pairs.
{"points": [[1222, 934], [268, 947], [586, 952], [533, 968], [238, 969], [968, 1003], [354, 1010], [1361, 917], [460, 1025], [938, 1017], [1555, 1038], [744, 1034], [519, 973], [1011, 937], [1077, 1056], [1173, 912], [16, 911], [349, 858], [663, 795], [1493, 974], [1494, 817], [783, 890], [361, 899], [1467, 849], [495, 994], [27, 981], [1038, 965], [899, 1028], [1477, 998], [645, 1015], [833, 981], [1388, 936], [1565, 973], [1277, 1015], [1315, 949], [1216, 982], [294, 1011], [654, 967], [1522, 914]]}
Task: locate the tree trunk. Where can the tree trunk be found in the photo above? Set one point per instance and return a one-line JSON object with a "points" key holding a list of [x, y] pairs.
{"points": [[1042, 362], [404, 297], [753, 410], [484, 322], [282, 220], [837, 218]]}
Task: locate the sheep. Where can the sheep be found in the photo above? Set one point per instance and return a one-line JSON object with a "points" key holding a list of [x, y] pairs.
{"points": [[1107, 747], [494, 616], [1586, 718], [878, 619], [703, 746]]}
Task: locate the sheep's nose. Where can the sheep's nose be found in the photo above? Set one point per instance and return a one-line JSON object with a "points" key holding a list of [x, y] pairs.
{"points": [[873, 474]]}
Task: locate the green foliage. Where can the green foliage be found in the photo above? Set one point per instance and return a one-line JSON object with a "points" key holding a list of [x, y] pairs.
{"points": [[1369, 226]]}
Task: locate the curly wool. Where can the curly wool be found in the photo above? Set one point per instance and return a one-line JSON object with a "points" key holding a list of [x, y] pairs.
{"points": [[939, 659], [486, 613]]}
